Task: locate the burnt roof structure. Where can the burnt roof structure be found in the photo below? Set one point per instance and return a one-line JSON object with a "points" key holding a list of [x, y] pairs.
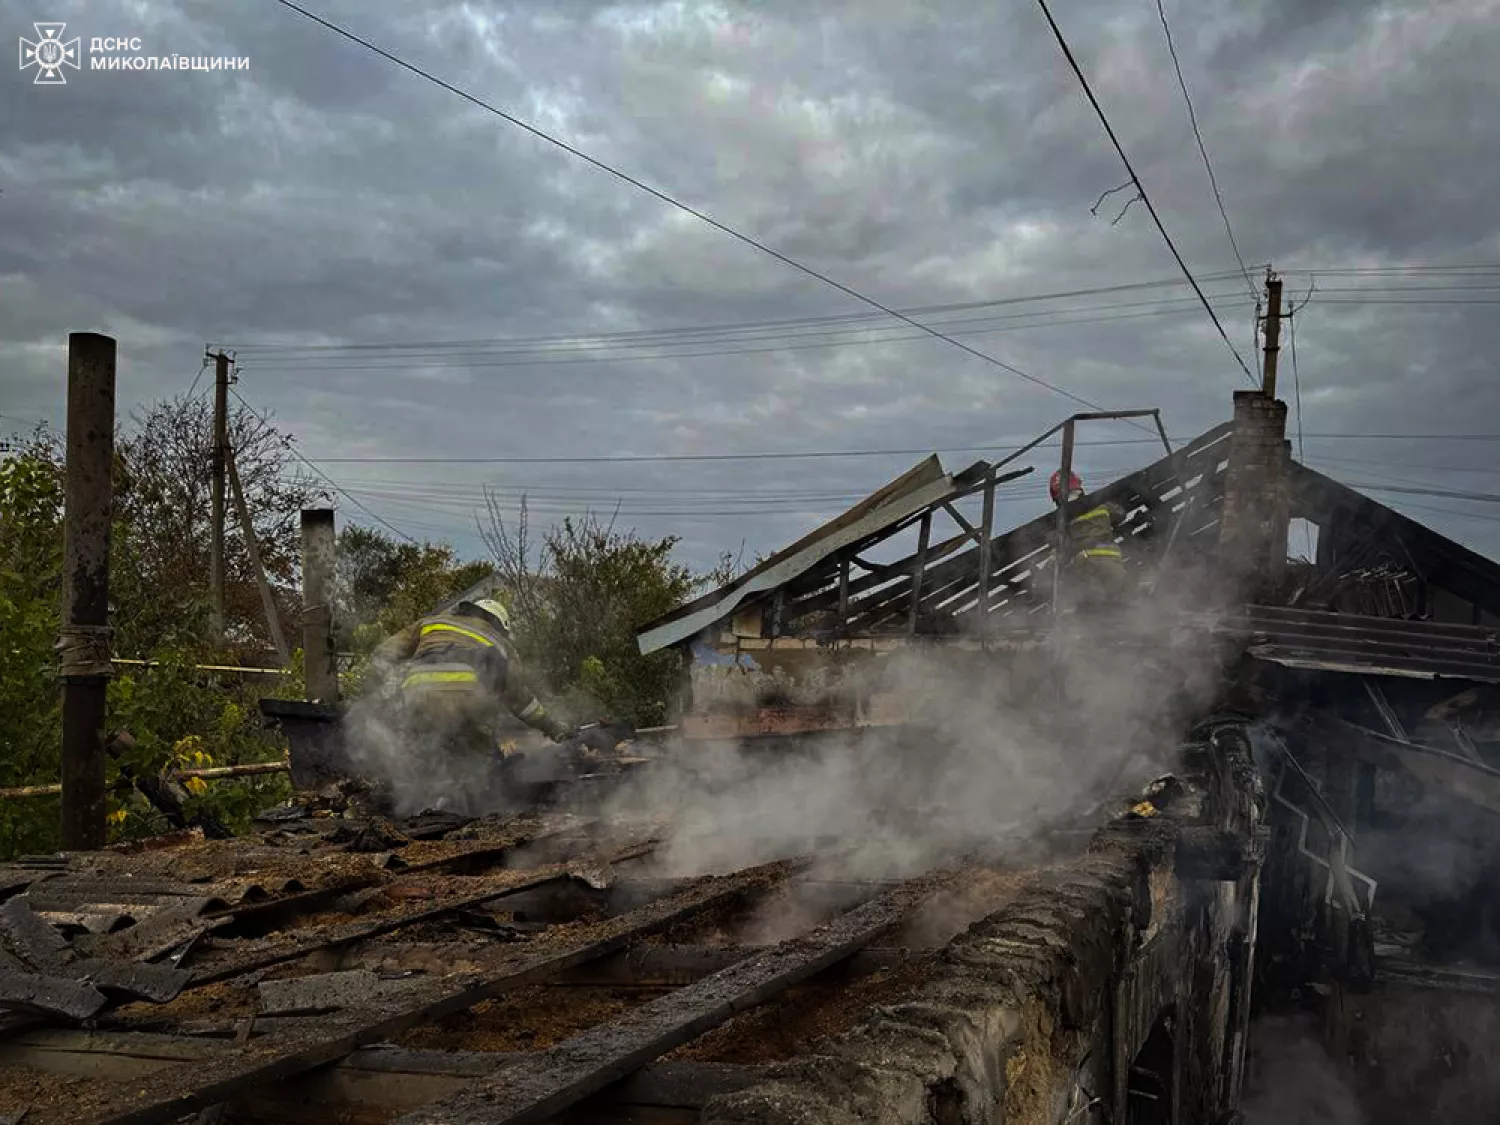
{"points": [[1373, 568]]}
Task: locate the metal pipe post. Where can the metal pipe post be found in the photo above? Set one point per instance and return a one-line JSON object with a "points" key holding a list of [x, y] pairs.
{"points": [[84, 668], [318, 557], [1059, 552]]}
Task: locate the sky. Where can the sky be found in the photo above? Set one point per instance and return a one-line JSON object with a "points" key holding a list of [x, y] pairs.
{"points": [[405, 277]]}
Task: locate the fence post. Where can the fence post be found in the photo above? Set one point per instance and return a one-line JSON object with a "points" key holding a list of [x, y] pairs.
{"points": [[83, 642]]}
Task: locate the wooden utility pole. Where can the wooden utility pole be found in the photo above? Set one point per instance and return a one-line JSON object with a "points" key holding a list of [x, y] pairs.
{"points": [[83, 640], [220, 471], [318, 554], [1064, 487], [1273, 333], [252, 548]]}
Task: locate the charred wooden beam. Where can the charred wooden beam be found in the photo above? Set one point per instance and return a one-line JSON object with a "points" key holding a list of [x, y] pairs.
{"points": [[189, 1086], [370, 1084], [916, 579], [556, 1079], [488, 890], [644, 967], [376, 1082]]}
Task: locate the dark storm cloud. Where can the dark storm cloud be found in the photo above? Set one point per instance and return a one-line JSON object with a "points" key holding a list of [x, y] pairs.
{"points": [[923, 152]]}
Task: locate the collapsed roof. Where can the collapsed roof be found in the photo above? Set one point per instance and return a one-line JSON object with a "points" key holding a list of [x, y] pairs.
{"points": [[1371, 562]]}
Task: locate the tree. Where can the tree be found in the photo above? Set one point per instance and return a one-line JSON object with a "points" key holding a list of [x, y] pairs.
{"points": [[176, 713], [384, 585], [159, 576], [31, 508], [577, 606]]}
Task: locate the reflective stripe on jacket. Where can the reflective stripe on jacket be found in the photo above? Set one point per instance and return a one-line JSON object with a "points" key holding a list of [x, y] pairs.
{"points": [[1092, 534], [441, 677], [448, 655]]}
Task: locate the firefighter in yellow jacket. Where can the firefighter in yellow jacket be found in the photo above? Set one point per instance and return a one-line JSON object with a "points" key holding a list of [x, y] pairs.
{"points": [[1095, 577], [457, 672]]}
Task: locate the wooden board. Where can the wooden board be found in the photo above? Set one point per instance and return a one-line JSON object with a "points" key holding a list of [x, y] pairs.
{"points": [[189, 1086], [552, 1081]]}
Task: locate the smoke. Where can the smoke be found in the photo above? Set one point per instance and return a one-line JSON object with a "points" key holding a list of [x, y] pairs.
{"points": [[999, 747], [1292, 1080], [414, 765]]}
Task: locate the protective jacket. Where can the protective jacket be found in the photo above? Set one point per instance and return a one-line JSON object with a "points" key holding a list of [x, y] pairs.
{"points": [[1091, 535], [464, 664]]}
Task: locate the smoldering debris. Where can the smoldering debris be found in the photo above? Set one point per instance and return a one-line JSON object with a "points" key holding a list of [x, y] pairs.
{"points": [[1292, 1080], [996, 752], [410, 766]]}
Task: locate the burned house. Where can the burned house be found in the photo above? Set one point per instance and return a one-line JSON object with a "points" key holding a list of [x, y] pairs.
{"points": [[1356, 738], [1305, 830]]}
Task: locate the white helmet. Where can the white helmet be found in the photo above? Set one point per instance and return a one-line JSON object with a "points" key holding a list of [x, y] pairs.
{"points": [[490, 608]]}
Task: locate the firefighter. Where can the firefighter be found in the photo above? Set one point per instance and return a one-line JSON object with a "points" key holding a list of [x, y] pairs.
{"points": [[1095, 577], [458, 671]]}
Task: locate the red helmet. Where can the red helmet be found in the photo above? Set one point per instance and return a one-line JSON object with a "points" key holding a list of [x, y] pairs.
{"points": [[1074, 484]]}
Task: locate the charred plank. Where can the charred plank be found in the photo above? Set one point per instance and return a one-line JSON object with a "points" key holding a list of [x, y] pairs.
{"points": [[557, 1079], [186, 1087]]}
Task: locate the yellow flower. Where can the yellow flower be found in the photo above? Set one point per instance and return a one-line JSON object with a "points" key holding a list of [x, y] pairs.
{"points": [[196, 786], [118, 816], [187, 748]]}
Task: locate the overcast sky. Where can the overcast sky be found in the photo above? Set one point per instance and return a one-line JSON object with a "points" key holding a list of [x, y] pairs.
{"points": [[923, 153]]}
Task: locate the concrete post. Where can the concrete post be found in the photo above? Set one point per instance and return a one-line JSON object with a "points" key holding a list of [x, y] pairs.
{"points": [[1252, 528], [318, 560], [83, 643]]}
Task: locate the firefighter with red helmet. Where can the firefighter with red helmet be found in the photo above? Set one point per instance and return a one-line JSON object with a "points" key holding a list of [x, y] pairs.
{"points": [[1095, 577]]}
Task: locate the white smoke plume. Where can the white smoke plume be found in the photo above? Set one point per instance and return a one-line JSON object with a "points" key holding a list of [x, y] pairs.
{"points": [[1000, 748]]}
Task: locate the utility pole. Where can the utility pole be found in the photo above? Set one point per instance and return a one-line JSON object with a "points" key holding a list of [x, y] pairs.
{"points": [[1273, 333], [83, 643], [252, 548], [220, 467]]}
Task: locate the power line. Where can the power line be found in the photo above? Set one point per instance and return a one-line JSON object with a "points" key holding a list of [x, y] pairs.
{"points": [[280, 356], [315, 468], [1202, 150], [570, 356], [681, 206], [763, 455], [1145, 198], [276, 352], [819, 454], [1451, 494], [1484, 471], [743, 326], [1400, 268]]}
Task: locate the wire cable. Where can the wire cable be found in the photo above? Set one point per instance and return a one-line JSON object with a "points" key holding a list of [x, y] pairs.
{"points": [[308, 461], [788, 323], [202, 367], [702, 216], [1145, 197], [571, 356], [1213, 180]]}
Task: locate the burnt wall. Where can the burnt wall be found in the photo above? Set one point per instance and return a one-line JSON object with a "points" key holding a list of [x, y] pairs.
{"points": [[1052, 1009]]}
